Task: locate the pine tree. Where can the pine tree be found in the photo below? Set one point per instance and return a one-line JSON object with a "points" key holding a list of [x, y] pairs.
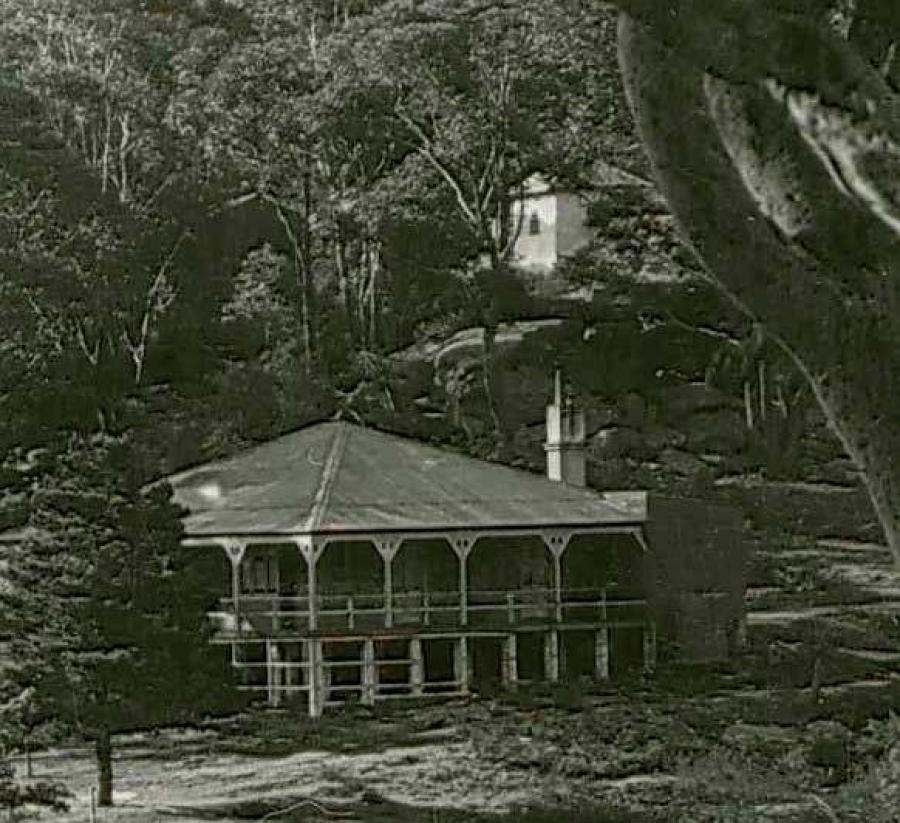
{"points": [[25, 725], [104, 621]]}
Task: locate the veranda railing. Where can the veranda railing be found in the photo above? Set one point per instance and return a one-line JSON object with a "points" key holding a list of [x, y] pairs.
{"points": [[277, 613]]}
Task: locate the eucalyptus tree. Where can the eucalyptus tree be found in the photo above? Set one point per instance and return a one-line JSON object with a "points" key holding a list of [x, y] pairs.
{"points": [[774, 130], [273, 115], [480, 96], [103, 207], [87, 286]]}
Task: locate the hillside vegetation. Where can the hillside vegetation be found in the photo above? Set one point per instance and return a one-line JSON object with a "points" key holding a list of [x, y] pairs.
{"points": [[221, 220]]}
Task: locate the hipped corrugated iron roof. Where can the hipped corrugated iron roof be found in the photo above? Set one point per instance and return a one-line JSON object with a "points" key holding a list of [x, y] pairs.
{"points": [[339, 478]]}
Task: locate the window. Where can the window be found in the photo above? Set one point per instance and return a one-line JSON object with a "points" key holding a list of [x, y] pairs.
{"points": [[261, 574], [534, 224]]}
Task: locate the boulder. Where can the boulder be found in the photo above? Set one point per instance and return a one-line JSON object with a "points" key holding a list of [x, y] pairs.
{"points": [[632, 411], [722, 430], [618, 441], [690, 398], [828, 747], [681, 462]]}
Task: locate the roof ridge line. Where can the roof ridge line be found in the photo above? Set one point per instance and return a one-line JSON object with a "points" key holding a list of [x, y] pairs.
{"points": [[326, 481]]}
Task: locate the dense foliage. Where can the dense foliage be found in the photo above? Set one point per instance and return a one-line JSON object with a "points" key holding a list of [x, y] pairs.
{"points": [[247, 206], [103, 625], [216, 222]]}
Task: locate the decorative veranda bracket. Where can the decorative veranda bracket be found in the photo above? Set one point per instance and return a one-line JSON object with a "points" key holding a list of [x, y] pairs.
{"points": [[387, 545], [235, 550], [463, 544], [638, 534], [310, 547], [557, 540]]}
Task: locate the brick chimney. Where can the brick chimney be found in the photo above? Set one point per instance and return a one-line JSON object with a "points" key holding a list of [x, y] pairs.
{"points": [[565, 446]]}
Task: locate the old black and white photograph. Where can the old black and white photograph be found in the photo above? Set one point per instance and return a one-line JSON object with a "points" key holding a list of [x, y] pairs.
{"points": [[449, 411]]}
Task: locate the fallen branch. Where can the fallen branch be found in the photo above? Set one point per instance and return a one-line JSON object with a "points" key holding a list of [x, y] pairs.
{"points": [[825, 807], [308, 801]]}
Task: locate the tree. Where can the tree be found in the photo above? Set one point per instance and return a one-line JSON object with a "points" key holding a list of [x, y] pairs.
{"points": [[480, 96], [112, 295], [26, 724], [263, 137], [93, 282], [777, 399], [774, 132], [85, 281], [104, 621]]}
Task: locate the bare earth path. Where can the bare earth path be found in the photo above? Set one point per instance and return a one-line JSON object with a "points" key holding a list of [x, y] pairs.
{"points": [[197, 786]]}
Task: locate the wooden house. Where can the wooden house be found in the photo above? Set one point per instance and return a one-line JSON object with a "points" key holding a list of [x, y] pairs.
{"points": [[358, 565]]}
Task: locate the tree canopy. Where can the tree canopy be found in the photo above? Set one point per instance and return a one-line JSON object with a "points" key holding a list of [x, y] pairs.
{"points": [[204, 152], [104, 627]]}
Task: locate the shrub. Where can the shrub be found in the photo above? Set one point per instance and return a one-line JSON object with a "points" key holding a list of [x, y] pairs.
{"points": [[15, 794]]}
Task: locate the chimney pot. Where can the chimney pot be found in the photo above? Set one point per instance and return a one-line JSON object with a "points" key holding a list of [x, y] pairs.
{"points": [[566, 437]]}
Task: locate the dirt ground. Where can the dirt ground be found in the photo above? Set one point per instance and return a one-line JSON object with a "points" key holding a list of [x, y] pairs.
{"points": [[646, 754]]}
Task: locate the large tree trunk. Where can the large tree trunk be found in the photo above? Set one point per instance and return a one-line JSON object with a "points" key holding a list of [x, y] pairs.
{"points": [[303, 255], [103, 750], [874, 446], [488, 373], [300, 252], [754, 198], [484, 293]]}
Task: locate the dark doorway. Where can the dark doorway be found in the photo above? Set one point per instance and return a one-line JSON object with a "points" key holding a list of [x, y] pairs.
{"points": [[578, 652], [626, 650], [438, 656], [292, 577], [530, 651], [487, 663]]}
